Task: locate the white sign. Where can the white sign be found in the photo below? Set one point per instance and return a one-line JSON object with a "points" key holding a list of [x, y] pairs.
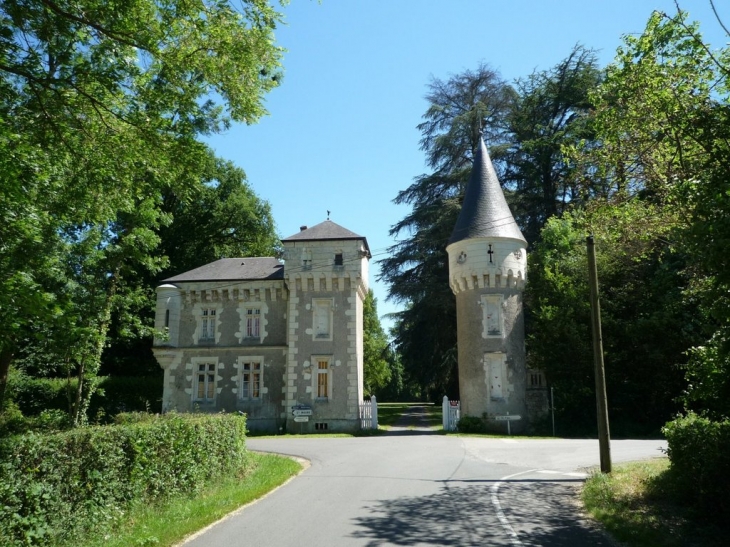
{"points": [[301, 418], [507, 418], [302, 412]]}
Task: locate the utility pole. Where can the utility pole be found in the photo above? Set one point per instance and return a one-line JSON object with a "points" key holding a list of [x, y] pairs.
{"points": [[604, 437]]}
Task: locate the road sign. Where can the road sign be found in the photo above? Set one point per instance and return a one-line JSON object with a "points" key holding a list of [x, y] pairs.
{"points": [[301, 418], [301, 410], [507, 418]]}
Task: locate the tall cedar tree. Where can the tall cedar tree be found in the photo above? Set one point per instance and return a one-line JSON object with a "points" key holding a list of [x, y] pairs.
{"points": [[526, 128]]}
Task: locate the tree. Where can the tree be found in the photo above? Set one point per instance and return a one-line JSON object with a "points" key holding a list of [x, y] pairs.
{"points": [[642, 278], [662, 119], [220, 216], [551, 113], [376, 348], [526, 127], [87, 91], [417, 270]]}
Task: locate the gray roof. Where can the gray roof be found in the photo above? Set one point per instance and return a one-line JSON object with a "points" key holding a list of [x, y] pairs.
{"points": [[326, 230], [485, 212], [234, 269]]}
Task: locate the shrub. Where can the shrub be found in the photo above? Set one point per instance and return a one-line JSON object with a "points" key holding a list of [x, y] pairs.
{"points": [[471, 424], [116, 394], [700, 461], [57, 487]]}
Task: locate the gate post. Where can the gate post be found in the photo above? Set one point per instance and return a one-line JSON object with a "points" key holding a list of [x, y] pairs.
{"points": [[374, 411], [445, 413]]}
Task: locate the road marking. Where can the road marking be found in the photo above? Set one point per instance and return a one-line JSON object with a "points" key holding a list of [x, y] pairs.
{"points": [[549, 472], [509, 441], [514, 540]]}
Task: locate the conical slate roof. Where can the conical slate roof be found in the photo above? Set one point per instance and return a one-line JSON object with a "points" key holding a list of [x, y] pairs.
{"points": [[485, 212], [326, 230]]}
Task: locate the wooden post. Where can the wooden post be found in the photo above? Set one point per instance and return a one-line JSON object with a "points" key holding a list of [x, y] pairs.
{"points": [[604, 437], [373, 412]]}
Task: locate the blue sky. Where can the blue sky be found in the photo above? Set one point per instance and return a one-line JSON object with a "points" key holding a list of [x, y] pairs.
{"points": [[341, 131]]}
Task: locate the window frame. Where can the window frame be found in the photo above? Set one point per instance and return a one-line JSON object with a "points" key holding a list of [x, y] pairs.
{"points": [[206, 318], [252, 317], [495, 368], [491, 303], [211, 369], [319, 373], [320, 307], [246, 387]]}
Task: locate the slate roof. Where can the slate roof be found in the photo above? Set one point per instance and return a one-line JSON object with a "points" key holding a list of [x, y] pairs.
{"points": [[485, 212], [327, 230], [234, 269]]}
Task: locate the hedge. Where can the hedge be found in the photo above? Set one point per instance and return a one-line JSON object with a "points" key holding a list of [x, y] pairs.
{"points": [[699, 455], [57, 487]]}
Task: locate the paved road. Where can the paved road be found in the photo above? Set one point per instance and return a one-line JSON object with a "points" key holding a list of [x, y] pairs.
{"points": [[425, 490]]}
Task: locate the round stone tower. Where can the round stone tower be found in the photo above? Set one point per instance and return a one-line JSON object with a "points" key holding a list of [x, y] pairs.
{"points": [[487, 272]]}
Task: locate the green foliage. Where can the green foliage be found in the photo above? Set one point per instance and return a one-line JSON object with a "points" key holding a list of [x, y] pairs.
{"points": [[87, 90], [61, 486], [550, 115], [697, 450], [471, 424], [417, 271], [115, 394], [377, 355], [642, 278]]}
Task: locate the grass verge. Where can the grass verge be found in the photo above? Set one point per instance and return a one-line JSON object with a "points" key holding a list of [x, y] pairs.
{"points": [[639, 506], [168, 523]]}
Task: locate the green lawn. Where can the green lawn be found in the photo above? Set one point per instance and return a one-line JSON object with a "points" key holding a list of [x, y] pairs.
{"points": [[168, 523], [638, 505]]}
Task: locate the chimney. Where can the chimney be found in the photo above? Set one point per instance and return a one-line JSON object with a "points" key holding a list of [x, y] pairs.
{"points": [[302, 228]]}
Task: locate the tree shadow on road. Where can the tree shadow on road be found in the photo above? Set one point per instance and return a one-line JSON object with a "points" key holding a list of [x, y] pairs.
{"points": [[540, 512]]}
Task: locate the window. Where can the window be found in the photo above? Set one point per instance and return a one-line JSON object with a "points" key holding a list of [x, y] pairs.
{"points": [[492, 320], [494, 367], [251, 380], [322, 319], [323, 378], [167, 318], [207, 324], [537, 379], [338, 259], [253, 323], [205, 389], [306, 259]]}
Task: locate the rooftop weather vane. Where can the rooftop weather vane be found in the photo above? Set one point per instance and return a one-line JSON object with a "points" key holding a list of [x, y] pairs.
{"points": [[328, 214]]}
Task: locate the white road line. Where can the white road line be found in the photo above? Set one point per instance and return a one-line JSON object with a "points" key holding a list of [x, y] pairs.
{"points": [[498, 508], [550, 472]]}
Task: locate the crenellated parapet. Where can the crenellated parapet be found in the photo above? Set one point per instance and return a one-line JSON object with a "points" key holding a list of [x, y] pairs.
{"points": [[487, 263]]}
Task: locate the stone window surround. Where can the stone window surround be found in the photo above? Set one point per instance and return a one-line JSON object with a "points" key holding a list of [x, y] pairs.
{"points": [[196, 362], [242, 395], [316, 372], [197, 311], [491, 303], [495, 374], [326, 307]]}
